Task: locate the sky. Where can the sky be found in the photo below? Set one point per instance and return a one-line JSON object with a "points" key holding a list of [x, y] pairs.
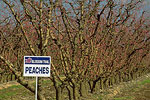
{"points": [[146, 7]]}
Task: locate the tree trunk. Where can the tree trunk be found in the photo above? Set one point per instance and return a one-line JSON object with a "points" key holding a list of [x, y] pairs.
{"points": [[70, 92], [93, 86], [83, 89], [58, 93], [75, 92], [41, 96]]}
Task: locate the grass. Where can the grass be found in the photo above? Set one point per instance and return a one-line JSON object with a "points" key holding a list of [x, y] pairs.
{"points": [[45, 82], [100, 98], [15, 92], [123, 98], [145, 82], [18, 92], [8, 92], [138, 91]]}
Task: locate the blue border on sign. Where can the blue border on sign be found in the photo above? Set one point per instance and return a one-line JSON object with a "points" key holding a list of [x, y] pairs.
{"points": [[37, 60]]}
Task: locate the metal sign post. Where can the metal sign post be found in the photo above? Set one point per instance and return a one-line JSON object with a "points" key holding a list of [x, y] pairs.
{"points": [[37, 66]]}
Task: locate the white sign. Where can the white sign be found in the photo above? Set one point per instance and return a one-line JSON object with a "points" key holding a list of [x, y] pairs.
{"points": [[38, 66]]}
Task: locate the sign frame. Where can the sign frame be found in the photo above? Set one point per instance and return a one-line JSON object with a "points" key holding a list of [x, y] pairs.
{"points": [[37, 63], [34, 65]]}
